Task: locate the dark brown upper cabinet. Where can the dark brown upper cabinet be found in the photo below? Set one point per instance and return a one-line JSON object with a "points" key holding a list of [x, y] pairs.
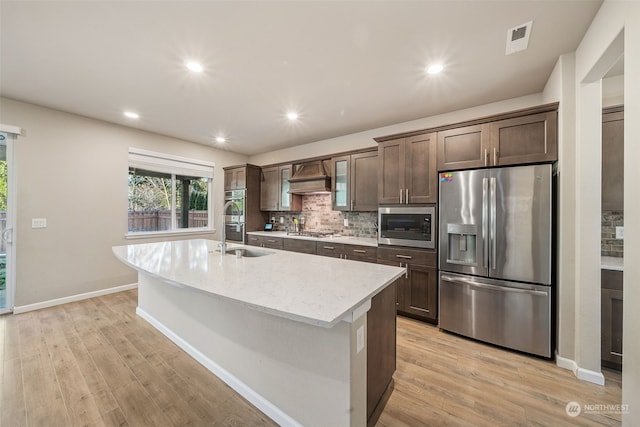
{"points": [[516, 140], [235, 178], [407, 170], [613, 159], [274, 190], [354, 184], [463, 148], [527, 139]]}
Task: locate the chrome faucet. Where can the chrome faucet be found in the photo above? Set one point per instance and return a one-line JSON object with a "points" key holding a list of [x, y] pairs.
{"points": [[223, 234]]}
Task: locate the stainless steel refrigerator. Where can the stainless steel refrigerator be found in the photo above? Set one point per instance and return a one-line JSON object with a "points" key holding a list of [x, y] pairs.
{"points": [[495, 256]]}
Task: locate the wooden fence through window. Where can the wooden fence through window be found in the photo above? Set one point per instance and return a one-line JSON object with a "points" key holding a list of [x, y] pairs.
{"points": [[161, 220]]}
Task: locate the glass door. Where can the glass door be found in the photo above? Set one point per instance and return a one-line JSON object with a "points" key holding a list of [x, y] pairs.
{"points": [[6, 223], [340, 184]]}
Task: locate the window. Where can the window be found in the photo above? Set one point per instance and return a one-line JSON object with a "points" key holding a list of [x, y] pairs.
{"points": [[168, 193]]}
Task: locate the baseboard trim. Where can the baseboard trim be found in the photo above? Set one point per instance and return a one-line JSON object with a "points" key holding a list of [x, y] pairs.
{"points": [[257, 400], [564, 363], [72, 298], [591, 376], [580, 373]]}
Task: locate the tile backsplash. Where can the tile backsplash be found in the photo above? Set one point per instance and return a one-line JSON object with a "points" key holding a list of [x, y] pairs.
{"points": [[610, 246], [318, 216]]}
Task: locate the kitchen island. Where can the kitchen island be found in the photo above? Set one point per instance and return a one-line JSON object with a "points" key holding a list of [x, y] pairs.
{"points": [[288, 331]]}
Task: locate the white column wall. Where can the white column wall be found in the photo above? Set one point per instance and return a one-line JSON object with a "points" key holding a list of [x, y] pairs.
{"points": [[612, 18], [561, 88], [587, 226]]}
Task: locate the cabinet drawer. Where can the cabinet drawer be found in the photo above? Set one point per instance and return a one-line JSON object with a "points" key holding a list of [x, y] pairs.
{"points": [[254, 240], [361, 253], [334, 250], [272, 242], [409, 256], [299, 245]]}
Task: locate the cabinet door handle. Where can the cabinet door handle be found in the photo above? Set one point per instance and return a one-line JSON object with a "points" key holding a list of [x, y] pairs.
{"points": [[359, 251], [401, 196], [406, 196], [328, 247], [486, 157], [271, 241], [406, 271], [495, 155], [404, 256]]}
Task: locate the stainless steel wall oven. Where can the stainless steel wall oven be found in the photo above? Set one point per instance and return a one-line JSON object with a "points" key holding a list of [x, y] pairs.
{"points": [[234, 217]]}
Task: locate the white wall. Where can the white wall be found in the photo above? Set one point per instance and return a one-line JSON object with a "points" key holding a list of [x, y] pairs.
{"points": [[73, 171], [561, 87], [364, 139], [597, 50], [613, 91]]}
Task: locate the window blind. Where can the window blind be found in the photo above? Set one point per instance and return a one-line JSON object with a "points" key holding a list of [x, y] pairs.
{"points": [[160, 162]]}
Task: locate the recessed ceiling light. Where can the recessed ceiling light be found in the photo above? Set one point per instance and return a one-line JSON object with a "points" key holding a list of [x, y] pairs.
{"points": [[131, 115], [194, 66], [435, 68], [221, 139], [292, 115]]}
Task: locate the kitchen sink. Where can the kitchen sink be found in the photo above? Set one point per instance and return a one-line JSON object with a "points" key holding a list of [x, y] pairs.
{"points": [[247, 252]]}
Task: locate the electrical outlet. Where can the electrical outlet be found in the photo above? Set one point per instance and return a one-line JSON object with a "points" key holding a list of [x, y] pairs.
{"points": [[273, 219], [620, 233], [281, 220], [38, 222], [346, 222]]}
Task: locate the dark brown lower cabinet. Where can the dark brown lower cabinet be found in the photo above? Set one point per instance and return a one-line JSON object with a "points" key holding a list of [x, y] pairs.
{"points": [[254, 240], [611, 319], [265, 241], [381, 351], [420, 293], [417, 294], [300, 245]]}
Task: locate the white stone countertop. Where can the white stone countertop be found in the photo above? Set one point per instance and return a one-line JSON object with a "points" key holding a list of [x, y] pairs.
{"points": [[348, 240], [312, 289], [612, 263]]}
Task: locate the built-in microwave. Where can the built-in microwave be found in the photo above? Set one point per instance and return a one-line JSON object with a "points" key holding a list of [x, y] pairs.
{"points": [[411, 226]]}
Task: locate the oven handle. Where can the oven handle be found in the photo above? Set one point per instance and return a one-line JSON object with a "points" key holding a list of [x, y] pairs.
{"points": [[492, 287]]}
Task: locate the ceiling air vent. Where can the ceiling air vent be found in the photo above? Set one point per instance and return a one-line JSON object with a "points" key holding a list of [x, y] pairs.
{"points": [[518, 38]]}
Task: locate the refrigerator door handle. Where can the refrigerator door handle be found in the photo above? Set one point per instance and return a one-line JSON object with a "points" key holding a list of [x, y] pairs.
{"points": [[485, 221], [492, 214], [492, 287]]}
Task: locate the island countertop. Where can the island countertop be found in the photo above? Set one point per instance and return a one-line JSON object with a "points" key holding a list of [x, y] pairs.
{"points": [[312, 289]]}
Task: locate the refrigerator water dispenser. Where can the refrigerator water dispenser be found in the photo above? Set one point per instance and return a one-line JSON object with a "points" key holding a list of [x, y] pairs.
{"points": [[462, 244]]}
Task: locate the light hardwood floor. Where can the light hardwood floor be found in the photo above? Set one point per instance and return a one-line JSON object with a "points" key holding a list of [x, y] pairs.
{"points": [[94, 362]]}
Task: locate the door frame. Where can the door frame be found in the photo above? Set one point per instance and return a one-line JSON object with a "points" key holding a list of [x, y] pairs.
{"points": [[12, 133]]}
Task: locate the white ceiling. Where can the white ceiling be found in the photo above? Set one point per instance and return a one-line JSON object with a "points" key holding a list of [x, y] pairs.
{"points": [[346, 66]]}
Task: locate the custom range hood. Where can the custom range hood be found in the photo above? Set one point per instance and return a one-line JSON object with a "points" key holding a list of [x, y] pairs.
{"points": [[310, 177]]}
